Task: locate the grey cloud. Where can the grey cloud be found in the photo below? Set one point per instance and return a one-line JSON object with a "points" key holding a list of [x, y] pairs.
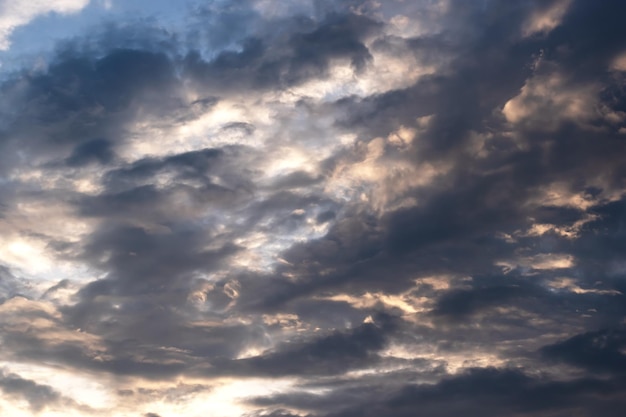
{"points": [[273, 413], [96, 150], [490, 392], [298, 179], [61, 285], [461, 303], [599, 351], [303, 55], [509, 256], [39, 397], [340, 393], [332, 354], [10, 286], [194, 165], [79, 107], [472, 203]]}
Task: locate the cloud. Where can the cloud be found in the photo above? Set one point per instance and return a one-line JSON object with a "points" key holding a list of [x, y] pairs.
{"points": [[302, 56], [39, 397], [18, 13], [330, 354], [485, 391], [545, 19], [490, 392], [319, 209], [599, 351]]}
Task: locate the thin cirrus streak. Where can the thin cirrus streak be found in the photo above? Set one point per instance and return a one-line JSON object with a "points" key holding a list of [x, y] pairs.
{"points": [[312, 208]]}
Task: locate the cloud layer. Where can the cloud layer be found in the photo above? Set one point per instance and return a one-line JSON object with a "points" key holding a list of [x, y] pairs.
{"points": [[323, 209]]}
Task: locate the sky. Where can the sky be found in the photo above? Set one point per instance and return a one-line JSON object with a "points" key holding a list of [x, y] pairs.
{"points": [[312, 208]]}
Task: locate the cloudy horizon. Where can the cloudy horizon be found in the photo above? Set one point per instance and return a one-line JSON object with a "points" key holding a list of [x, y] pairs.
{"points": [[312, 208]]}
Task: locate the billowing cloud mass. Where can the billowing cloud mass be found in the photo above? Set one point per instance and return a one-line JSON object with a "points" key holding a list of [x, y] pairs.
{"points": [[313, 208]]}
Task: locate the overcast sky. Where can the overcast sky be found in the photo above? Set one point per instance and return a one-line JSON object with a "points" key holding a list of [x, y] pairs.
{"points": [[320, 208]]}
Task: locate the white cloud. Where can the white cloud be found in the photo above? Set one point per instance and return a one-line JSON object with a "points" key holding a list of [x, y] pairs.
{"points": [[15, 13]]}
